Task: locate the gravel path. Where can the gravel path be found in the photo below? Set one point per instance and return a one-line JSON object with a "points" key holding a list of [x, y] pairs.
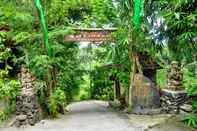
{"points": [[84, 116]]}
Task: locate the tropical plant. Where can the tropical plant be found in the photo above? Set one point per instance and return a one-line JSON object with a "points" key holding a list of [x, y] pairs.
{"points": [[56, 102], [102, 87], [180, 18]]}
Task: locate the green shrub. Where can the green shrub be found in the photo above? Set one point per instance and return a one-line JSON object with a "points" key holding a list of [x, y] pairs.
{"points": [[191, 120], [57, 102], [84, 97], [3, 116], [8, 89], [190, 83], [8, 92], [161, 77], [7, 111]]}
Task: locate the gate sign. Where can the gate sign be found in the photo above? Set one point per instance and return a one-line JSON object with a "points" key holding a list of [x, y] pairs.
{"points": [[91, 35]]}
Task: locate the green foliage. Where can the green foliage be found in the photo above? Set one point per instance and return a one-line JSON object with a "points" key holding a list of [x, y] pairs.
{"points": [[5, 53], [8, 110], [56, 102], [8, 86], [8, 92], [162, 77], [191, 120], [84, 85], [117, 54], [53, 106], [3, 116], [190, 83], [103, 12], [80, 12], [180, 17], [102, 87], [190, 79], [8, 89], [22, 17]]}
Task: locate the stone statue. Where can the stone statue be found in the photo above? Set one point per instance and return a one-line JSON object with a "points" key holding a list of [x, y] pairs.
{"points": [[174, 77]]}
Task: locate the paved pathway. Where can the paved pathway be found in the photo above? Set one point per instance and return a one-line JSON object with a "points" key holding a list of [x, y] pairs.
{"points": [[96, 116], [84, 116]]}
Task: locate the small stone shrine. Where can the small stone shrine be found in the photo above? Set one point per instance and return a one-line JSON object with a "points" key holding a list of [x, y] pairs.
{"points": [[28, 111], [174, 95]]}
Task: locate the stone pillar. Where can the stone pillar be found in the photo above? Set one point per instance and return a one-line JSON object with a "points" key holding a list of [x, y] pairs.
{"points": [[28, 111]]}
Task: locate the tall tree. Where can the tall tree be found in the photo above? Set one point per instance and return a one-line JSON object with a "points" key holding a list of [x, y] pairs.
{"points": [[131, 12]]}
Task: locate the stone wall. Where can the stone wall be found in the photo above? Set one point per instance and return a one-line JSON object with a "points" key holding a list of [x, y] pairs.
{"points": [[28, 111], [173, 100]]}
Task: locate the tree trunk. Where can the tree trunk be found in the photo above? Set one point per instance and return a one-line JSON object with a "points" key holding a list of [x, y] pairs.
{"points": [[133, 56], [139, 66], [49, 82], [132, 68]]}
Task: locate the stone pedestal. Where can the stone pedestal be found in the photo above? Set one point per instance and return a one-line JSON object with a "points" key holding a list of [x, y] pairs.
{"points": [[28, 111], [173, 100]]}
